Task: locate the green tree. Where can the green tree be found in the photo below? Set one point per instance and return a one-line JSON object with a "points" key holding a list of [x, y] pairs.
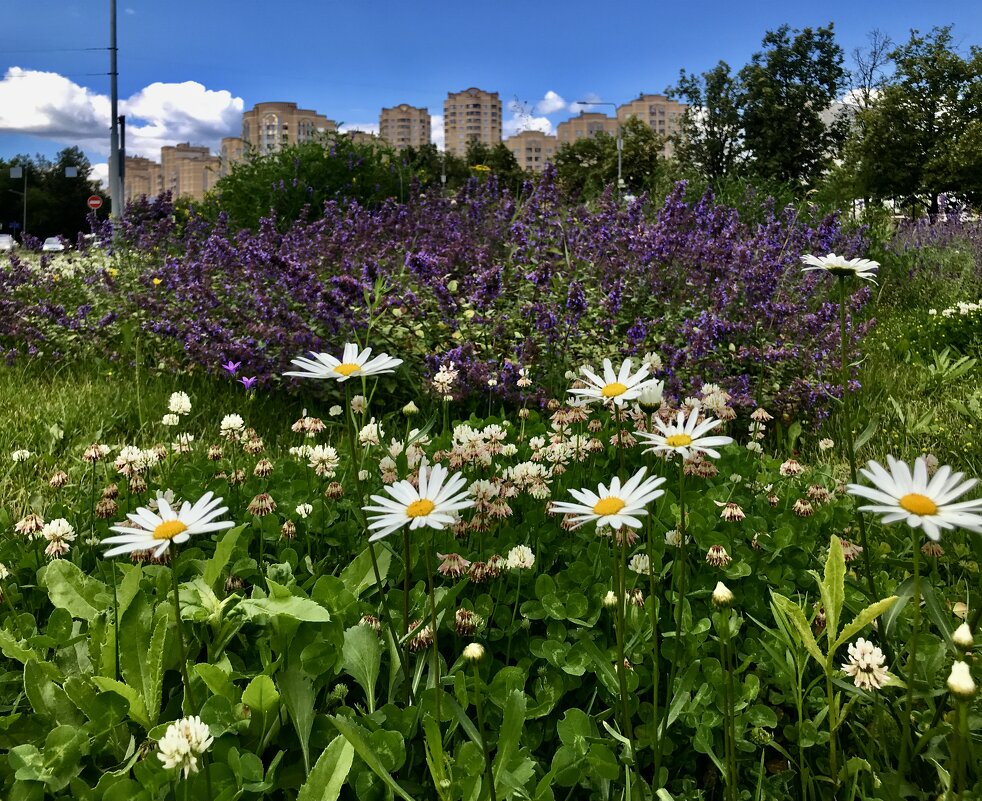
{"points": [[788, 90], [710, 140], [920, 136], [499, 160]]}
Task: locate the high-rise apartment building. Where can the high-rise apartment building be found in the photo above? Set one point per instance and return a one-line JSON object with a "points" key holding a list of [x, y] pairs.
{"points": [[269, 126], [143, 177], [662, 115], [188, 170], [471, 116], [532, 149], [405, 126], [584, 125], [233, 151]]}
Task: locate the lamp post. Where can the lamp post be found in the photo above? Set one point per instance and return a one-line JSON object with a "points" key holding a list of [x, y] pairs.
{"points": [[116, 168], [620, 141], [21, 172]]}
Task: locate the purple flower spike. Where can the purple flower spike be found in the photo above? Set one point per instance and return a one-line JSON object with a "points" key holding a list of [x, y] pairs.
{"points": [[232, 367], [247, 382]]}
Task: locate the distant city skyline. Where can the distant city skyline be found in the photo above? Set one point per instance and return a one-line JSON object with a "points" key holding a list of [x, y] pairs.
{"points": [[189, 71]]}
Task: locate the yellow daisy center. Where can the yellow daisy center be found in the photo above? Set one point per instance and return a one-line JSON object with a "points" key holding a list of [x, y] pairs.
{"points": [[168, 530], [919, 505], [678, 440], [347, 368], [608, 506], [420, 508], [613, 390]]}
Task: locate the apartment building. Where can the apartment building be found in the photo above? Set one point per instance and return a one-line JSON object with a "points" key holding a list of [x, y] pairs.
{"points": [[472, 115], [270, 126], [233, 151], [532, 149], [405, 126], [143, 177], [583, 125], [188, 170], [662, 115]]}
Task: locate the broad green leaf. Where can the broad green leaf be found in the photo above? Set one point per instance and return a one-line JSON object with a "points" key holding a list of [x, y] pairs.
{"points": [[282, 602], [327, 777], [261, 695], [14, 648], [833, 588], [298, 694], [436, 758], [218, 681], [352, 733], [359, 575], [512, 725], [793, 614], [866, 434], [154, 683], [46, 695], [362, 659], [138, 709], [223, 553], [904, 591], [69, 588], [863, 619], [57, 763]]}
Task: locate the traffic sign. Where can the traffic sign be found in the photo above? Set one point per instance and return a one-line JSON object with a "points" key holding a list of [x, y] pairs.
{"points": [[94, 202]]}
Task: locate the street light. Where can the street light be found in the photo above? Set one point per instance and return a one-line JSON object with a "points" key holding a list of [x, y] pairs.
{"points": [[620, 141], [21, 172]]}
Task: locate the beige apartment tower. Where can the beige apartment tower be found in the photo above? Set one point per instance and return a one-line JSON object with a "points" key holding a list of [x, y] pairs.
{"points": [[532, 149], [471, 116], [143, 177], [270, 126], [662, 115], [405, 126], [233, 151], [584, 125], [188, 170]]}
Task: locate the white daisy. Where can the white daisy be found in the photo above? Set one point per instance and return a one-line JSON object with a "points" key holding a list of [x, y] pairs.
{"points": [[920, 500], [615, 507], [434, 503], [618, 387], [685, 436], [352, 363], [156, 531], [840, 265]]}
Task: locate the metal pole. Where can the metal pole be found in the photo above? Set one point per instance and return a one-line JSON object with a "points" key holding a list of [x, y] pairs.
{"points": [[122, 156], [23, 229], [620, 150], [115, 185]]}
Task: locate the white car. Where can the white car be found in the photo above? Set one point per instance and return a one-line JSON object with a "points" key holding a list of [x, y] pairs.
{"points": [[7, 242], [52, 245]]}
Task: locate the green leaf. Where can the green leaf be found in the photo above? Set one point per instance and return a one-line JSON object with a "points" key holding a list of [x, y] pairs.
{"points": [[863, 619], [218, 681], [327, 777], [512, 724], [46, 696], [223, 553], [57, 764], [362, 660], [359, 575], [298, 694], [833, 588], [14, 648], [261, 696], [793, 614], [141, 657], [138, 709], [282, 602], [866, 434], [69, 588], [352, 733]]}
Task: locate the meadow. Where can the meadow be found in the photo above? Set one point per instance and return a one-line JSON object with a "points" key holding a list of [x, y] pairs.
{"points": [[583, 523]]}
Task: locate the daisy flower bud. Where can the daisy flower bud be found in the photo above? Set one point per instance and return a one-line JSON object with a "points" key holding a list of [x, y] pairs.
{"points": [[474, 652], [722, 596], [963, 637], [960, 681]]}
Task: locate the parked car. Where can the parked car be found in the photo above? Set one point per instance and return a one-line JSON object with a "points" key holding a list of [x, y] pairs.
{"points": [[52, 244], [7, 242]]}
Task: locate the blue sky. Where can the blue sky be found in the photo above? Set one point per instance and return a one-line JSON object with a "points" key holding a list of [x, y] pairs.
{"points": [[187, 69]]}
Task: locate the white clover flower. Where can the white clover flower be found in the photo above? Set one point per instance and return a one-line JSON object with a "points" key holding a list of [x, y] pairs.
{"points": [[4, 572], [641, 564], [520, 558], [21, 455], [866, 665], [335, 411], [301, 452], [359, 404], [170, 420], [179, 403], [371, 434], [232, 425], [304, 510], [324, 460], [826, 444], [183, 742], [60, 535]]}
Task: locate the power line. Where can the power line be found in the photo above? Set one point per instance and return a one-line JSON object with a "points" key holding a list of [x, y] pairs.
{"points": [[4, 51]]}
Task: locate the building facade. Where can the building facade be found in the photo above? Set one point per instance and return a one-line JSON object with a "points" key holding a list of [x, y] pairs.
{"points": [[405, 126], [188, 170], [143, 177], [233, 151], [532, 149], [471, 116], [584, 125], [267, 127], [662, 115]]}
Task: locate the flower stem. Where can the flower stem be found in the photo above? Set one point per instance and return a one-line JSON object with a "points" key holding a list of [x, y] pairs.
{"points": [[655, 673], [514, 614], [678, 585], [729, 705], [189, 692], [435, 669], [907, 744], [833, 725], [483, 732], [620, 571]]}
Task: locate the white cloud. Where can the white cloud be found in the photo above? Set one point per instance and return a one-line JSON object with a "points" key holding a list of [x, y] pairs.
{"points": [[436, 131], [100, 173], [550, 104], [51, 106], [589, 98], [522, 120]]}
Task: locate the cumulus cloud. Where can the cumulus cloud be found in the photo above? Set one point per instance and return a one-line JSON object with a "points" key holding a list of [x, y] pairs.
{"points": [[51, 106], [550, 103], [367, 127], [588, 99], [522, 119], [100, 173], [437, 135]]}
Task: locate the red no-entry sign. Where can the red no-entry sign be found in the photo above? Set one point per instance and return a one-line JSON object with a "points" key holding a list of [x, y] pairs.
{"points": [[94, 202]]}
